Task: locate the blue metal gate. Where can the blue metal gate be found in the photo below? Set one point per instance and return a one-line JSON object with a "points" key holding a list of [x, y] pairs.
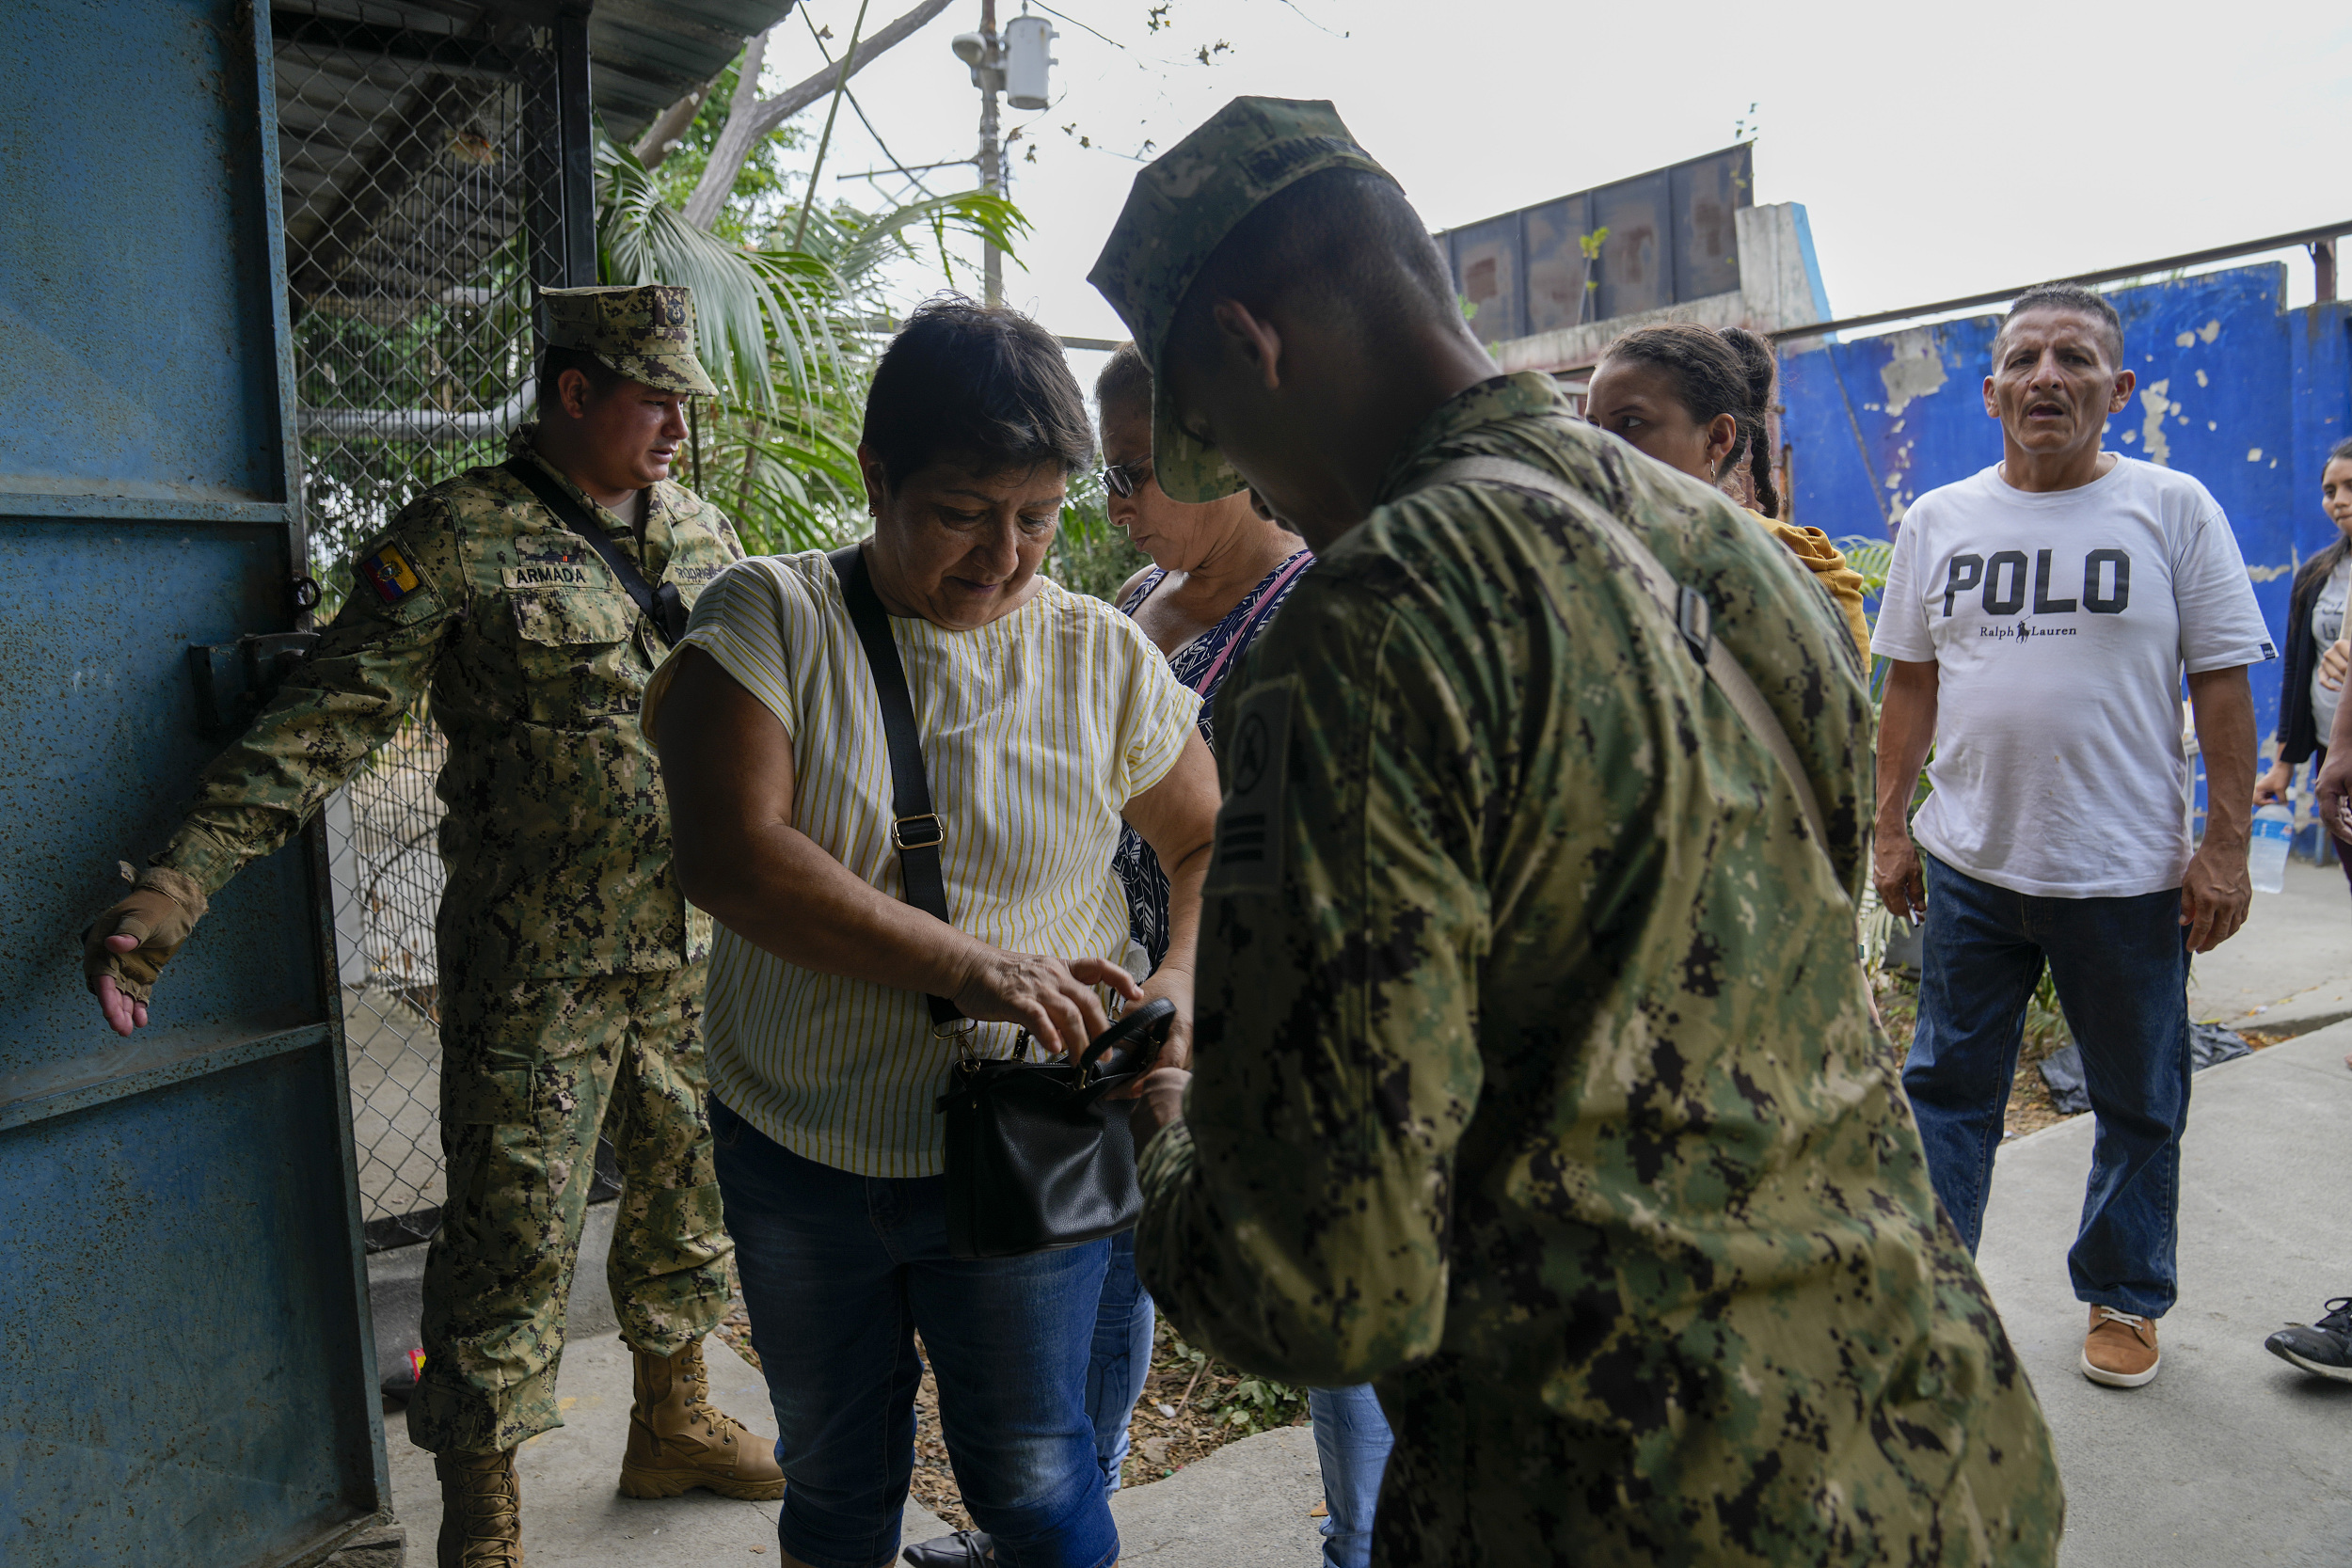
{"points": [[185, 1360]]}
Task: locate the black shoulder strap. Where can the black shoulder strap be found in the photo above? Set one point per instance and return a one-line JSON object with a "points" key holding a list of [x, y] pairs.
{"points": [[663, 606], [916, 828]]}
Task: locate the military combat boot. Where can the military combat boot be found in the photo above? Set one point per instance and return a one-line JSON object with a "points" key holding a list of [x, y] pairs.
{"points": [[677, 1442], [482, 1503]]}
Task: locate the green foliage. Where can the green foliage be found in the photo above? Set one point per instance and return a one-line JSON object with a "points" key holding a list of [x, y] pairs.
{"points": [[1871, 558], [1260, 1404], [1246, 1404], [763, 187], [2045, 1020], [791, 333], [1091, 553]]}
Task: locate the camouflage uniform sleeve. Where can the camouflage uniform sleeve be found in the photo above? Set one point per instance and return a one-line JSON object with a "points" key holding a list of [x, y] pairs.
{"points": [[1296, 1220], [372, 664]]}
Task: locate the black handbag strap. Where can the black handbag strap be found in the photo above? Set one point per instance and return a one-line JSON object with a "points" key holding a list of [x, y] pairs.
{"points": [[916, 829], [663, 606]]}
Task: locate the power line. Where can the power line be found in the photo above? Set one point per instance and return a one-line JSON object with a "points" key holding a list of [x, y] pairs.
{"points": [[827, 55]]}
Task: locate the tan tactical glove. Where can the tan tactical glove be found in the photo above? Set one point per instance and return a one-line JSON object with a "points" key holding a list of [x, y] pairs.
{"points": [[163, 908]]}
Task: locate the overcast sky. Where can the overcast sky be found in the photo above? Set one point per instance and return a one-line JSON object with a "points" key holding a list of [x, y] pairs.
{"points": [[1939, 151]]}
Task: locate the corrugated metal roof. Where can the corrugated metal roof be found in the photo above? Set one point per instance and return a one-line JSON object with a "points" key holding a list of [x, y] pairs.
{"points": [[646, 54]]}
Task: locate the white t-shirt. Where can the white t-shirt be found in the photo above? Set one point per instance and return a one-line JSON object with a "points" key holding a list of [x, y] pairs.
{"points": [[1038, 728], [2327, 627], [2060, 625]]}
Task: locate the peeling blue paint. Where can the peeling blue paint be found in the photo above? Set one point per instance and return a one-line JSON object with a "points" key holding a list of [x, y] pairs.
{"points": [[2230, 384]]}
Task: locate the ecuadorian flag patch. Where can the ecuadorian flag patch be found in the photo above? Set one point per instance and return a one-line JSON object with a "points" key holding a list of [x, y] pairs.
{"points": [[389, 573]]}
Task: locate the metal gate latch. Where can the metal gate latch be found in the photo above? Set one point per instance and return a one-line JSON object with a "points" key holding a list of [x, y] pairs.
{"points": [[234, 681]]}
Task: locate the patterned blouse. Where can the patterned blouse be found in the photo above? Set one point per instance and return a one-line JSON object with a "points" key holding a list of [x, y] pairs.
{"points": [[1201, 664]]}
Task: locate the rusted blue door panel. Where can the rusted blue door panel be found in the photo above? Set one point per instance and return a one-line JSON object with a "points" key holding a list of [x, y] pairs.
{"points": [[97, 717], [138, 243], [187, 1331], [2232, 388], [185, 1366]]}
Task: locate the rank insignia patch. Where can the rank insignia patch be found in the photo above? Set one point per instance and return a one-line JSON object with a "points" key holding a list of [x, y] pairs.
{"points": [[389, 573]]}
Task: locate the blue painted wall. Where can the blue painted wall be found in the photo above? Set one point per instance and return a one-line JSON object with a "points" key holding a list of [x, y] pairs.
{"points": [[2233, 389]]}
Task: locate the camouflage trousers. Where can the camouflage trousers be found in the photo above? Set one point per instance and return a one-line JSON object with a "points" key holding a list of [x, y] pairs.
{"points": [[531, 1070]]}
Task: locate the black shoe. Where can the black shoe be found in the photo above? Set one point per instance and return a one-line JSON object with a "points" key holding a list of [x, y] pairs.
{"points": [[966, 1548], [2324, 1347]]}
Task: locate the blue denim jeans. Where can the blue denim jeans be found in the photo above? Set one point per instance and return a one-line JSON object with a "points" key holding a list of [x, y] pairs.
{"points": [[1352, 1441], [839, 1273], [1120, 1359], [2121, 970]]}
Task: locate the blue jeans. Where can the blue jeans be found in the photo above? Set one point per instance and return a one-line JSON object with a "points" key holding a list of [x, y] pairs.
{"points": [[839, 1273], [1352, 1441], [2121, 970], [1121, 1357]]}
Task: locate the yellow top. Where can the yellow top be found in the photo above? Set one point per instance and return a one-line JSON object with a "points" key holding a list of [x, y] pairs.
{"points": [[1812, 547], [1038, 729]]}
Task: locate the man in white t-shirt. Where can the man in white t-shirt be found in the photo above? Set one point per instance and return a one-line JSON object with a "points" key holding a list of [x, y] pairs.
{"points": [[2041, 617]]}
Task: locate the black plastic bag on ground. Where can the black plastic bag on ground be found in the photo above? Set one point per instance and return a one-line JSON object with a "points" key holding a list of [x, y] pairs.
{"points": [[2062, 1072], [2209, 1045]]}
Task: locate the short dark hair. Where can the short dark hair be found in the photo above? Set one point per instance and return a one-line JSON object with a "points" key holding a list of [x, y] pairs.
{"points": [[2070, 296], [1715, 373], [2323, 565], [602, 377], [1344, 237], [977, 382], [1125, 383]]}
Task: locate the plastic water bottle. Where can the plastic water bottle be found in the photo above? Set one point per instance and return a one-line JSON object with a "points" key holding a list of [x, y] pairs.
{"points": [[2267, 858]]}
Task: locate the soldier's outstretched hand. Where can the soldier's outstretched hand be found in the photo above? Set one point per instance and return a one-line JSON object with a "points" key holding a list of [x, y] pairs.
{"points": [[126, 948]]}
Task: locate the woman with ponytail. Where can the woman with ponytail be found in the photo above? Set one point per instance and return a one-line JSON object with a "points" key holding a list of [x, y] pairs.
{"points": [[1694, 399]]}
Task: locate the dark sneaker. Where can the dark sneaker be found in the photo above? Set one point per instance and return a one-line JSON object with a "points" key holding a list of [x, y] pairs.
{"points": [[2121, 1349], [966, 1548], [2324, 1347]]}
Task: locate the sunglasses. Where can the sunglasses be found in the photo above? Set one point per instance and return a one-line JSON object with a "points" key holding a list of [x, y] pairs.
{"points": [[1125, 479]]}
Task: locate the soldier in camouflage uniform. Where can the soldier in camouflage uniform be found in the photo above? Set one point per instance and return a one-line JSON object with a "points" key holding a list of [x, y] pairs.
{"points": [[571, 967], [1536, 1077]]}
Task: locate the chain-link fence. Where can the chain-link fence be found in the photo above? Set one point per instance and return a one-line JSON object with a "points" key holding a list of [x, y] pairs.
{"points": [[418, 168]]}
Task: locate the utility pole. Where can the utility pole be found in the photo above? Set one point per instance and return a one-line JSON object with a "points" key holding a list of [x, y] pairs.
{"points": [[984, 51]]}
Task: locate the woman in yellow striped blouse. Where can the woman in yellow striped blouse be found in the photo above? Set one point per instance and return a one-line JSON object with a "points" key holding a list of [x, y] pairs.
{"points": [[1047, 722]]}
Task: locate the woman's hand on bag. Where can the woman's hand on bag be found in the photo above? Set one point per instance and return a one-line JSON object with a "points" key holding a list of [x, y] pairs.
{"points": [[1052, 998], [2334, 662]]}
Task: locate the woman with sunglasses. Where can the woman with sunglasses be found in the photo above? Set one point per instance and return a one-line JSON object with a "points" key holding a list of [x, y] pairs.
{"points": [[1219, 573]]}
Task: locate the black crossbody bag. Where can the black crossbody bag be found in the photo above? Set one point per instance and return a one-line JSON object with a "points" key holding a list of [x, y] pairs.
{"points": [[1035, 1159]]}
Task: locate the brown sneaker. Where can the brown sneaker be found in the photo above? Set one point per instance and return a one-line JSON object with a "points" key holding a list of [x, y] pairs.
{"points": [[2120, 1350], [677, 1442], [482, 1503]]}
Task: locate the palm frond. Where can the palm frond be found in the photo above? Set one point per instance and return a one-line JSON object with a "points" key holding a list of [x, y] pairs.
{"points": [[1870, 557], [744, 299]]}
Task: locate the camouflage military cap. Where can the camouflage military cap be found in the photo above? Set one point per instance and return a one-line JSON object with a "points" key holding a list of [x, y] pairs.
{"points": [[646, 333], [1181, 208]]}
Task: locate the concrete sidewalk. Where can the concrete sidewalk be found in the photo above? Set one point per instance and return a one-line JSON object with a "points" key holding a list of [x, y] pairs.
{"points": [[2230, 1456], [2290, 967], [1243, 1507]]}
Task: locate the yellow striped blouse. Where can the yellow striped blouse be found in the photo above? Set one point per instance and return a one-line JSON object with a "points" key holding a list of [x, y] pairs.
{"points": [[1037, 729]]}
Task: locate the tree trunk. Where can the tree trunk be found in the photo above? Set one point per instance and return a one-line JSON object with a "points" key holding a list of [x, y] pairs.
{"points": [[661, 136], [750, 118]]}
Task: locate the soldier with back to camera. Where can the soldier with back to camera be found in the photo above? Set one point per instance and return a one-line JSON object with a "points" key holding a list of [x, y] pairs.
{"points": [[531, 602], [1536, 1079]]}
